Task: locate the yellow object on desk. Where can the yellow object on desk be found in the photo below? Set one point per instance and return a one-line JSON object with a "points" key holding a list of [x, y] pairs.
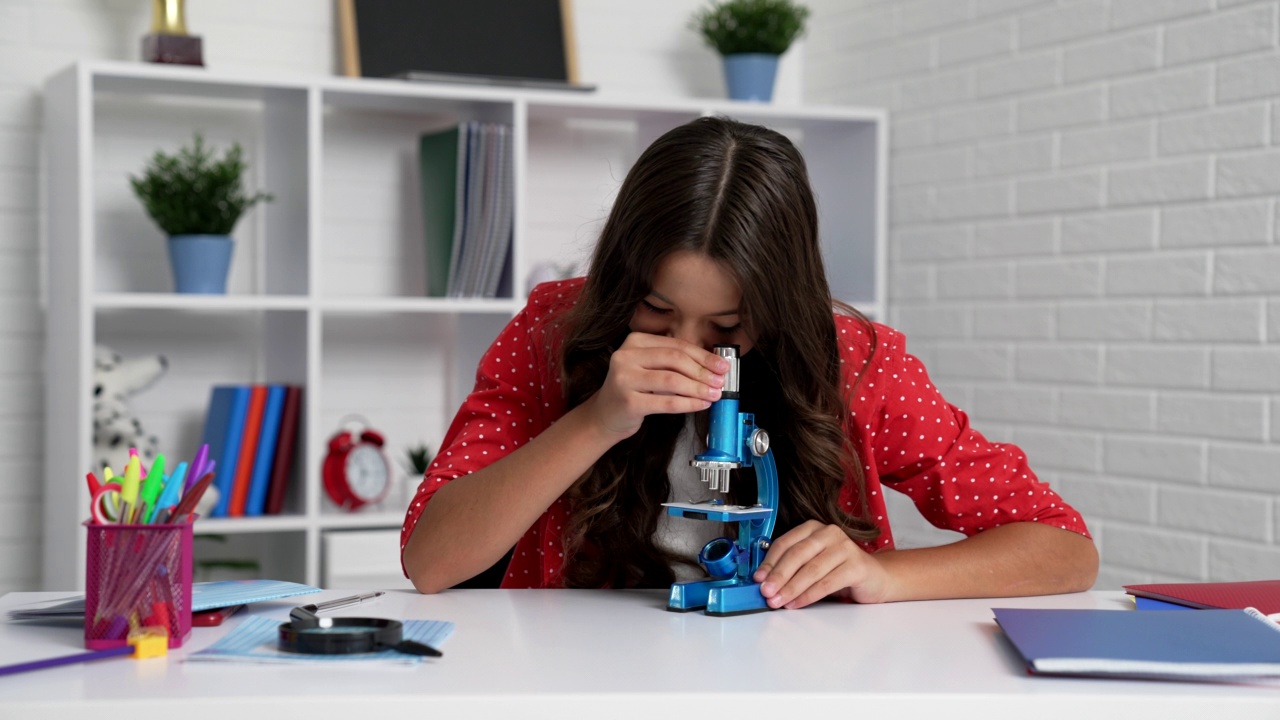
{"points": [[149, 642]]}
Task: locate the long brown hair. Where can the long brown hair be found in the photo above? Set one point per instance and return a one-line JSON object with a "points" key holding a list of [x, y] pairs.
{"points": [[740, 195]]}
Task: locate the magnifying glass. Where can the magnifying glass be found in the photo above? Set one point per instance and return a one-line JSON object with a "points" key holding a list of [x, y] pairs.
{"points": [[310, 634]]}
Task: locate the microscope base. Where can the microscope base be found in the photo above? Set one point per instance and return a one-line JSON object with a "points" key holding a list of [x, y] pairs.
{"points": [[736, 599], [718, 597], [693, 595]]}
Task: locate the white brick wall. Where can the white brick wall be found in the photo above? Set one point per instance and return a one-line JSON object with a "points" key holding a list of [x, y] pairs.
{"points": [[638, 49], [1084, 248]]}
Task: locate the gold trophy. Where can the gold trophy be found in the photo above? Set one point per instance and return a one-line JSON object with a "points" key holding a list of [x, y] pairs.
{"points": [[168, 41]]}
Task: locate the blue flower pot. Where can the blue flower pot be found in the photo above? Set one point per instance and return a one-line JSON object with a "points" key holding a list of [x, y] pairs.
{"points": [[200, 263], [750, 76]]}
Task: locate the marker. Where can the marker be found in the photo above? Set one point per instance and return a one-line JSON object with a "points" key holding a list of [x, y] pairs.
{"points": [[129, 489], [151, 488], [171, 492], [198, 468]]}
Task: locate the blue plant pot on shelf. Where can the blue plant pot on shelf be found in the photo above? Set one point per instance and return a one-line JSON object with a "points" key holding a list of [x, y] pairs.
{"points": [[200, 263], [750, 76]]}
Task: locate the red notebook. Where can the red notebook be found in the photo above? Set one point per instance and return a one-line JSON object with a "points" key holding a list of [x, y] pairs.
{"points": [[1263, 595], [285, 444]]}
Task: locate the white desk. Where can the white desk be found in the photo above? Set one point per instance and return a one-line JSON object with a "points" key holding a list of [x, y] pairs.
{"points": [[558, 653]]}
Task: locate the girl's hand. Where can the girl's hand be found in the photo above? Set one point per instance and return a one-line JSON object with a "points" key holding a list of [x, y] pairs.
{"points": [[814, 561], [653, 374]]}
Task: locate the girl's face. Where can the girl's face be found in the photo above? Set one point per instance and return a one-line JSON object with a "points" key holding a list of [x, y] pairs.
{"points": [[695, 299]]}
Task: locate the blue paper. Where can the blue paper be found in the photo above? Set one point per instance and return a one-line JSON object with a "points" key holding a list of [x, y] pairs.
{"points": [[255, 638]]}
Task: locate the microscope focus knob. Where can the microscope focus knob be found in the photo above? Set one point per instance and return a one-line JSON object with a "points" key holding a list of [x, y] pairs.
{"points": [[759, 442]]}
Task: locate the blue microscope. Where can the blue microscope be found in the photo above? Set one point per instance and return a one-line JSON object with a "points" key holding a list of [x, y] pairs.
{"points": [[733, 441]]}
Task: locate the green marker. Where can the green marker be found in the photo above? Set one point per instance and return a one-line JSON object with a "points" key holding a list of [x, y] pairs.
{"points": [[151, 488]]}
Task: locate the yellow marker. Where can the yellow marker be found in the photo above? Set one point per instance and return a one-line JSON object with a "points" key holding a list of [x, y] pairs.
{"points": [[129, 488]]}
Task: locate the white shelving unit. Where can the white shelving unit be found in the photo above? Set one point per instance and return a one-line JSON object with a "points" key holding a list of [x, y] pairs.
{"points": [[327, 282]]}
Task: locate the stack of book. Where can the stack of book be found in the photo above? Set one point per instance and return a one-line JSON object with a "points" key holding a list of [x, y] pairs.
{"points": [[252, 433], [468, 209]]}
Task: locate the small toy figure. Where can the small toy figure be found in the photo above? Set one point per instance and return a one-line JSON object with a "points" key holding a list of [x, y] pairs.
{"points": [[115, 428]]}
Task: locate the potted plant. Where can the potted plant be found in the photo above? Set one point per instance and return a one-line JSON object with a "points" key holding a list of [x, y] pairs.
{"points": [[197, 199], [750, 35]]}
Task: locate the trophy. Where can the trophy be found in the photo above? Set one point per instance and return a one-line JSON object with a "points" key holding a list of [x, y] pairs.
{"points": [[168, 41]]}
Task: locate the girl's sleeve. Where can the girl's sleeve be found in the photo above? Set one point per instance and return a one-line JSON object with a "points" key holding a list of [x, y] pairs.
{"points": [[958, 479], [503, 412]]}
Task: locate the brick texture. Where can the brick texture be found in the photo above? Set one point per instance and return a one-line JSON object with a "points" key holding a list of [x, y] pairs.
{"points": [[1092, 226]]}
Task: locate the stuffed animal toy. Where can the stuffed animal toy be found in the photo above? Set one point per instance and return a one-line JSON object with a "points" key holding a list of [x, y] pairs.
{"points": [[115, 429]]}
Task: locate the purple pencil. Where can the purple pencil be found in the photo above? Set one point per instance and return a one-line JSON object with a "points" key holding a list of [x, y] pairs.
{"points": [[67, 660]]}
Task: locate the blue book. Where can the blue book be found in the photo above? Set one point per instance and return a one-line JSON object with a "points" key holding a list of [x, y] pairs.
{"points": [[260, 480], [223, 428], [1144, 603], [1201, 645]]}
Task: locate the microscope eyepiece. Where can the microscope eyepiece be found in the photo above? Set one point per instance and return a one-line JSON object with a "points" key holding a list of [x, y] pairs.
{"points": [[730, 353]]}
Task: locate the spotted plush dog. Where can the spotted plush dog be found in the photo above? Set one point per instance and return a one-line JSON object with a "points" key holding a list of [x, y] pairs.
{"points": [[115, 428]]}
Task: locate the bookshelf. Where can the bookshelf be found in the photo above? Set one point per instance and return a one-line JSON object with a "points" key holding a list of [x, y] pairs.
{"points": [[327, 283]]}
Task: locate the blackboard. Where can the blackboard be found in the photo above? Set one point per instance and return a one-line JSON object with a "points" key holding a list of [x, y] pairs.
{"points": [[497, 38]]}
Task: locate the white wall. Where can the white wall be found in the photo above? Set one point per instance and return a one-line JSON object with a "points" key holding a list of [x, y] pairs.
{"points": [[633, 49], [1083, 249]]}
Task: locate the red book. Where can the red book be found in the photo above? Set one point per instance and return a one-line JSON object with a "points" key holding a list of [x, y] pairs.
{"points": [[285, 444], [1262, 595], [248, 448]]}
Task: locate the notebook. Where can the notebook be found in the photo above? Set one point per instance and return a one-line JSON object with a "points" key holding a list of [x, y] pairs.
{"points": [[1205, 645], [1261, 594], [204, 596]]}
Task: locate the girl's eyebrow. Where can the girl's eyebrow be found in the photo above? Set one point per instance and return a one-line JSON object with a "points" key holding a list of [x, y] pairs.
{"points": [[721, 313]]}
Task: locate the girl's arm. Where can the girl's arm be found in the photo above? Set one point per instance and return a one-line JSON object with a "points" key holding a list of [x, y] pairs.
{"points": [[470, 521], [814, 561]]}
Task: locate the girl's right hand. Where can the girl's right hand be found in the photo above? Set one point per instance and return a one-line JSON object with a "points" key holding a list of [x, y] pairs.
{"points": [[653, 374]]}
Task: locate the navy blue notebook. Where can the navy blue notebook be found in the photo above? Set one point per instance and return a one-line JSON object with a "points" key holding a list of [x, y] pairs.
{"points": [[1200, 645]]}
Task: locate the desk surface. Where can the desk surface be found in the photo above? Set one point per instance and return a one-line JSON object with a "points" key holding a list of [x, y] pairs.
{"points": [[562, 653]]}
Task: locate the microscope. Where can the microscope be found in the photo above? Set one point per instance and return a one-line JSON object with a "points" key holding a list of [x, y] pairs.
{"points": [[733, 441]]}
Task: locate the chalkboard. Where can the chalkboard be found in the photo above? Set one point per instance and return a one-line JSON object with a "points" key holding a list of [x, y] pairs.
{"points": [[498, 38]]}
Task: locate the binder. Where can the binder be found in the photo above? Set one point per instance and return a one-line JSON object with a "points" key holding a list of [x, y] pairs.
{"points": [[260, 478], [285, 447], [223, 429], [438, 156], [248, 450], [1204, 645], [1261, 594]]}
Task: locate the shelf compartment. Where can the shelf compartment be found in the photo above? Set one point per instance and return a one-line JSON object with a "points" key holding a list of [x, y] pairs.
{"points": [[128, 126], [373, 243]]}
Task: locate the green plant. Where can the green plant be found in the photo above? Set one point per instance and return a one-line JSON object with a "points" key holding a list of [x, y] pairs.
{"points": [[419, 458], [751, 26], [195, 193]]}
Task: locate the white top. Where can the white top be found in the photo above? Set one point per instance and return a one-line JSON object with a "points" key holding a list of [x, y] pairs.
{"points": [[681, 535], [620, 654]]}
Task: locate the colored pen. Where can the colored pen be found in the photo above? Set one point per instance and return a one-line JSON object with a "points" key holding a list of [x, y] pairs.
{"points": [[198, 465], [172, 491], [94, 483], [188, 503], [151, 487], [129, 489]]}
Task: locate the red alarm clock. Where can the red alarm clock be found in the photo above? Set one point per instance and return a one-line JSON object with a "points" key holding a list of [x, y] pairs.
{"points": [[356, 470]]}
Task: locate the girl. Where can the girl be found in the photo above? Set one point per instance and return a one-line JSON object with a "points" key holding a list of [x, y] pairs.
{"points": [[588, 408]]}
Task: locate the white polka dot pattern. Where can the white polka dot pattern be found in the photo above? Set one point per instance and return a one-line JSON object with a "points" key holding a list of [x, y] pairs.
{"points": [[908, 437]]}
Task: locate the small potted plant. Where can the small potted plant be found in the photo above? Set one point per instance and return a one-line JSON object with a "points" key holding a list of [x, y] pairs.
{"points": [[197, 199], [750, 36]]}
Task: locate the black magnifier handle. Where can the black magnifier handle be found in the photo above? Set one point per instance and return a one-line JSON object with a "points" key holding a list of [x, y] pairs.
{"points": [[412, 647]]}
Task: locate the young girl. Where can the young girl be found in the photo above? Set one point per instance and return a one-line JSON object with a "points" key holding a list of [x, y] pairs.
{"points": [[589, 406]]}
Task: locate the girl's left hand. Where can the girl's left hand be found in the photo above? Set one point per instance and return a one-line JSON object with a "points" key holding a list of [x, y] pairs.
{"points": [[814, 561]]}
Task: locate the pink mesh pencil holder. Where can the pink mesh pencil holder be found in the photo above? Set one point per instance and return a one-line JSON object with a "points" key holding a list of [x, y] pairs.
{"points": [[137, 576]]}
